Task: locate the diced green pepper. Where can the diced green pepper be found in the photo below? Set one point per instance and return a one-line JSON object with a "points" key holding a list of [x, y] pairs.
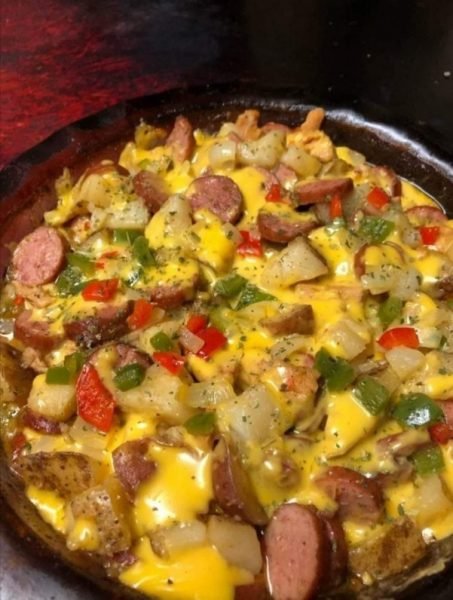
{"points": [[217, 319], [390, 310], [74, 363], [126, 236], [81, 262], [228, 287], [201, 423], [129, 376], [58, 376], [133, 277], [161, 341], [428, 461], [375, 230], [142, 252], [337, 372], [372, 395], [69, 282], [251, 294], [417, 410]]}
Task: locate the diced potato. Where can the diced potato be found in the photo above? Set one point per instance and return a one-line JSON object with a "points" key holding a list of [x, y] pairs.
{"points": [[209, 393], [169, 222], [300, 161], [55, 402], [346, 339], [67, 473], [236, 542], [105, 505], [130, 215], [297, 262], [263, 152], [160, 393]]}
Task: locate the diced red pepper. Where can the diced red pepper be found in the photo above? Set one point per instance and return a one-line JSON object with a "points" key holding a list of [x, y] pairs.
{"points": [[429, 235], [141, 315], [378, 198], [399, 336], [250, 246], [441, 433], [95, 404], [336, 208], [213, 340], [18, 300], [275, 193], [101, 290], [17, 443], [170, 360], [110, 254], [99, 264], [196, 323]]}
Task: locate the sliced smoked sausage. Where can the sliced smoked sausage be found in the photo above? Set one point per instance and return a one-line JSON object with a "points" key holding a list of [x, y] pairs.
{"points": [[359, 498], [108, 324], [39, 257], [35, 334], [297, 552], [151, 189], [131, 465], [338, 550], [181, 140], [280, 229], [172, 296], [218, 194], [321, 190], [233, 490]]}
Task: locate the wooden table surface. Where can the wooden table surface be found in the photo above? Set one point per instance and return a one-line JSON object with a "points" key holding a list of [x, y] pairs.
{"points": [[63, 60]]}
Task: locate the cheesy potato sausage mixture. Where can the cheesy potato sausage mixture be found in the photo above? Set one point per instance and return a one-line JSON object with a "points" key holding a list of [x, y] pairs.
{"points": [[226, 367]]}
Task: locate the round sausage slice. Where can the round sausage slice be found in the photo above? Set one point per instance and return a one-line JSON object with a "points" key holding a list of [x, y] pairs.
{"points": [[297, 319], [108, 324], [338, 550], [40, 423], [34, 334], [359, 498], [281, 230], [297, 552], [172, 296], [424, 215], [151, 189], [218, 194], [321, 190], [39, 257]]}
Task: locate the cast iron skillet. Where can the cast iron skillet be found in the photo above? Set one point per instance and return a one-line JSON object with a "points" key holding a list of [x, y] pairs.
{"points": [[26, 191]]}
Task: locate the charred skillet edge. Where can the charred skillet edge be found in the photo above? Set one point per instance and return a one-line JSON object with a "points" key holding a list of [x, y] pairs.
{"points": [[29, 180]]}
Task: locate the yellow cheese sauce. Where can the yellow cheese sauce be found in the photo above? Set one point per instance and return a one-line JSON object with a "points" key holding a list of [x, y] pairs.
{"points": [[298, 418]]}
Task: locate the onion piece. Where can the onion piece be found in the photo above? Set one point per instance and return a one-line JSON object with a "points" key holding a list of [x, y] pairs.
{"points": [[209, 393], [189, 341], [86, 436], [236, 542], [263, 152], [404, 361], [300, 161], [222, 154], [288, 346], [169, 540]]}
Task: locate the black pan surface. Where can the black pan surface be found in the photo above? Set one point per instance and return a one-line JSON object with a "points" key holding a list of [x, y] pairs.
{"points": [[33, 558]]}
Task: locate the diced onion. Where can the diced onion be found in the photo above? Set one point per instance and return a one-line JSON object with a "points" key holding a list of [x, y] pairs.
{"points": [[87, 436], [264, 152], [288, 346], [209, 393], [189, 341], [406, 284], [169, 540], [297, 262], [348, 337], [236, 542], [404, 361], [389, 379], [133, 215], [222, 154], [300, 161]]}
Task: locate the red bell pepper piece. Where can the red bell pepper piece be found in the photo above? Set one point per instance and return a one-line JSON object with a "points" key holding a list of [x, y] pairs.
{"points": [[170, 360], [249, 246], [275, 193], [18, 442], [336, 208], [95, 404], [100, 290], [213, 340], [429, 235], [141, 315], [399, 336], [196, 323], [378, 198], [441, 433], [18, 300]]}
